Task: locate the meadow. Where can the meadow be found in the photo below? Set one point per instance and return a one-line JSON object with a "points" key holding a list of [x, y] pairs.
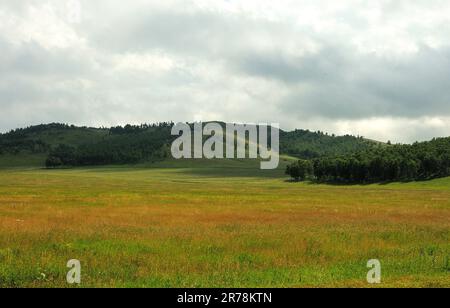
{"points": [[217, 225]]}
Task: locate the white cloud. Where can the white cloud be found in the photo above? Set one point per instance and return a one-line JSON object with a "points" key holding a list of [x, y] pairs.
{"points": [[150, 62], [46, 24]]}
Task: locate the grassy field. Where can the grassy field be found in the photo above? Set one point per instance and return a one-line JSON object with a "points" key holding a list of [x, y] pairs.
{"points": [[172, 225]]}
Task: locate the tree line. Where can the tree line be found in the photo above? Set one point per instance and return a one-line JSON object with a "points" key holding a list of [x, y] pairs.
{"points": [[419, 161]]}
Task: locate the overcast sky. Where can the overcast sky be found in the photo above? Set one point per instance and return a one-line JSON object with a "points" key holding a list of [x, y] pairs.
{"points": [[380, 69]]}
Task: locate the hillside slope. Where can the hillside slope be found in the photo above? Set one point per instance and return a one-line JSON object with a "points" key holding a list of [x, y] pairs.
{"points": [[307, 145], [71, 145]]}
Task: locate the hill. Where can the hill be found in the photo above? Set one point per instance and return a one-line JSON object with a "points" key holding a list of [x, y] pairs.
{"points": [[62, 144], [305, 144], [84, 145]]}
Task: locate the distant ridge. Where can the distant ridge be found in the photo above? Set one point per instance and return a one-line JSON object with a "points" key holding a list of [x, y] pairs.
{"points": [[130, 144]]}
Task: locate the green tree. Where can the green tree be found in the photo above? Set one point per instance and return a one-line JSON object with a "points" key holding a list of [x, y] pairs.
{"points": [[53, 162], [300, 170]]}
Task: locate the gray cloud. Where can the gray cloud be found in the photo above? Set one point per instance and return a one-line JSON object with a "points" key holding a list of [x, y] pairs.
{"points": [[355, 87], [31, 60]]}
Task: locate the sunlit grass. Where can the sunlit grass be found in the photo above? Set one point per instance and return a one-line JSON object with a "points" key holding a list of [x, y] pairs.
{"points": [[181, 227]]}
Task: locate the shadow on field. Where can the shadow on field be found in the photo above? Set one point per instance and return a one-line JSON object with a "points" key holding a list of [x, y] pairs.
{"points": [[223, 168], [234, 172]]}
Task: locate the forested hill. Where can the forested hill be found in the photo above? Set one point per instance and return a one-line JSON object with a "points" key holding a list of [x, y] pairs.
{"points": [[307, 145], [61, 144]]}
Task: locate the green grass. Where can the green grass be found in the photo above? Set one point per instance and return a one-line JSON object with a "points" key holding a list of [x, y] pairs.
{"points": [[217, 224]]}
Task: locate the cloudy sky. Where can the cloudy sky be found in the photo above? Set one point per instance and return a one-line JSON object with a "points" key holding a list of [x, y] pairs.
{"points": [[380, 69]]}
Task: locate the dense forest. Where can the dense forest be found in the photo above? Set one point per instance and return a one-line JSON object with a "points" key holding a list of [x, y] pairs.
{"points": [[420, 161]]}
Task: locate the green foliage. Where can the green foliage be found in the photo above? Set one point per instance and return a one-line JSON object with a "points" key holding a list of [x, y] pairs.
{"points": [[300, 170]]}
